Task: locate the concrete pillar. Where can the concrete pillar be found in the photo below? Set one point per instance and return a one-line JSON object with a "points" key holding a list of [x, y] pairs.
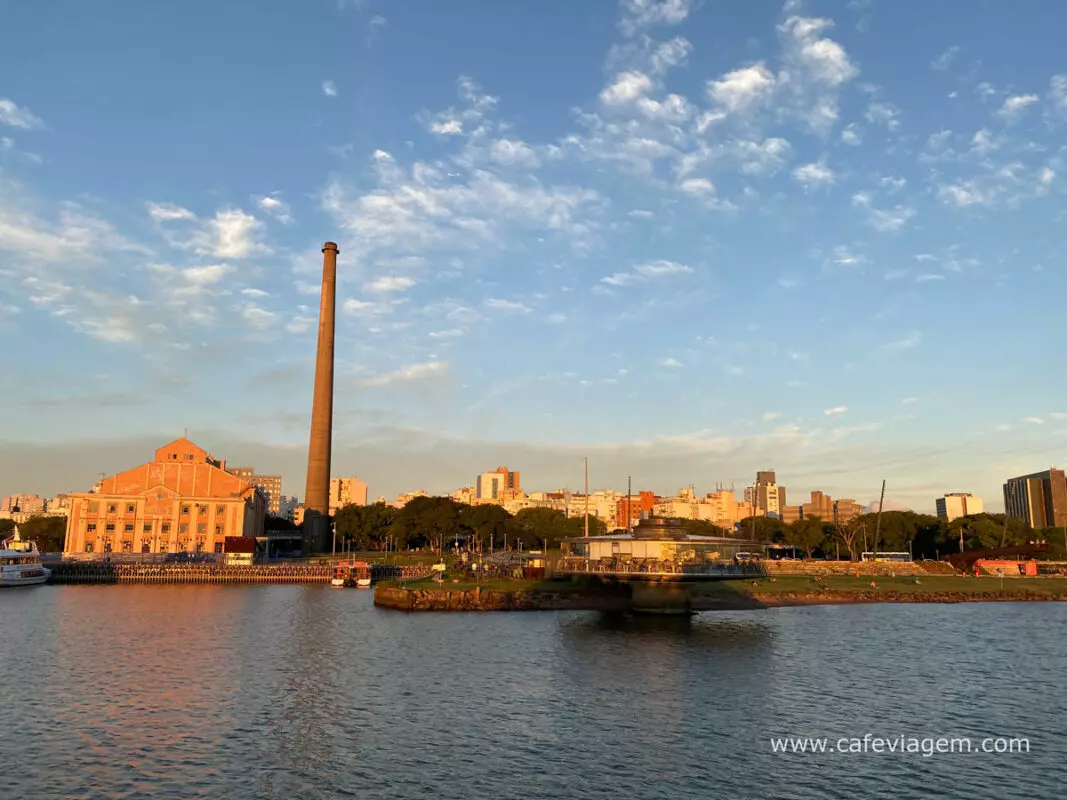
{"points": [[320, 445]]}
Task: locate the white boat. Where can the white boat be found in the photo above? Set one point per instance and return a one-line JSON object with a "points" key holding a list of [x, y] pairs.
{"points": [[20, 563], [362, 583], [337, 583]]}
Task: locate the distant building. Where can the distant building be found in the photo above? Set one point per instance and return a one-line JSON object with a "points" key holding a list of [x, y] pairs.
{"points": [[491, 486], [766, 495], [270, 484], [957, 504], [829, 510], [637, 505], [346, 492], [404, 498], [287, 507], [182, 501], [22, 503], [1039, 499]]}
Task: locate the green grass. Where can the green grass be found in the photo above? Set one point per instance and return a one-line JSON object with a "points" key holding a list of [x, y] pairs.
{"points": [[928, 584]]}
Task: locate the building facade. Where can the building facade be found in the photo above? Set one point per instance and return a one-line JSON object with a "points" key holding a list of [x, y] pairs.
{"points": [[766, 495], [492, 486], [347, 492], [22, 504], [829, 510], [270, 484], [182, 501], [1039, 499], [957, 504]]}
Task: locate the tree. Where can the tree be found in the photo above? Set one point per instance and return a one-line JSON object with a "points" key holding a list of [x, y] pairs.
{"points": [[364, 527], [703, 527], [7, 527], [488, 523], [428, 521], [806, 534], [546, 527], [49, 533], [762, 529]]}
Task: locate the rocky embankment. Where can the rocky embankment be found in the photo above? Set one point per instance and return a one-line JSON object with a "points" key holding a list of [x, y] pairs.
{"points": [[494, 600], [831, 597]]}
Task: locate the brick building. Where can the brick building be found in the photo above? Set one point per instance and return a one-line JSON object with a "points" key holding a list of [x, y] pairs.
{"points": [[182, 501]]}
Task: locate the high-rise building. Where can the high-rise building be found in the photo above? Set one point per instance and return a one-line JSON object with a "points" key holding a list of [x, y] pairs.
{"points": [[1039, 499], [24, 503], [491, 486], [829, 510], [957, 504], [766, 495], [347, 492], [270, 484], [182, 501]]}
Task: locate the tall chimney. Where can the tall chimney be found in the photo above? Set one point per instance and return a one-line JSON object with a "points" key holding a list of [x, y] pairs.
{"points": [[320, 445]]}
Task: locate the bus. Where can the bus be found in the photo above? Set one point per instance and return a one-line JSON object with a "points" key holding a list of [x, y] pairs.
{"points": [[884, 556]]}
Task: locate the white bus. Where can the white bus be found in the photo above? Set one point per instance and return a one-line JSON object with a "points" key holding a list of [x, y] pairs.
{"points": [[883, 556]]}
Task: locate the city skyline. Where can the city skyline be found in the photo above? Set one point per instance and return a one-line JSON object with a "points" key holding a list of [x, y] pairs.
{"points": [[687, 241]]}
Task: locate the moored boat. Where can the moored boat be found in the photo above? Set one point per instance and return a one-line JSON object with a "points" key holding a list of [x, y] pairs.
{"points": [[20, 563]]}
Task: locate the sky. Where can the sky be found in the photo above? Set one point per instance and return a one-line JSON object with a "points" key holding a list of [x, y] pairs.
{"points": [[686, 239]]}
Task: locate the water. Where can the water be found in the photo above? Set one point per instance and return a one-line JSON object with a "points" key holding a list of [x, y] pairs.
{"points": [[307, 692]]}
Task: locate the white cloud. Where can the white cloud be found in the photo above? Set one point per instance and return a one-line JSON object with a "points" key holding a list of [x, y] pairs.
{"points": [[913, 339], [1057, 415], [251, 292], [883, 114], [257, 317], [943, 61], [277, 208], [18, 117], [835, 411], [1057, 93], [670, 54], [390, 283], [909, 400], [1047, 176], [813, 175], [1034, 420], [505, 305], [771, 415], [231, 234], [929, 276], [206, 275], [851, 135], [511, 152], [670, 362], [638, 15], [697, 187], [647, 271], [815, 68], [883, 220], [409, 374], [169, 212], [361, 308], [1015, 106], [329, 89], [743, 88], [627, 88], [963, 194], [448, 127]]}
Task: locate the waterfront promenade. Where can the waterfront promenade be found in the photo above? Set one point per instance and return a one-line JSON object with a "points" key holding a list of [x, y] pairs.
{"points": [[214, 573]]}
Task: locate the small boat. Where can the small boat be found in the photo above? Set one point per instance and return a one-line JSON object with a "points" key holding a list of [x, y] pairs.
{"points": [[20, 563], [351, 573]]}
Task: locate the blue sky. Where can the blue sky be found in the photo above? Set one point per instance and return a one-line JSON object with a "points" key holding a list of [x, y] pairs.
{"points": [[688, 239]]}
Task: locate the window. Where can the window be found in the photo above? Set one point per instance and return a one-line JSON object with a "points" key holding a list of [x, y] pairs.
{"points": [[110, 527], [199, 546], [218, 547], [220, 510], [146, 546], [94, 507], [127, 547], [183, 527], [112, 508], [107, 547], [88, 547], [162, 547], [130, 508], [173, 456], [218, 530], [164, 528], [188, 456], [202, 511], [201, 528], [91, 527], [128, 527], [147, 528], [185, 511]]}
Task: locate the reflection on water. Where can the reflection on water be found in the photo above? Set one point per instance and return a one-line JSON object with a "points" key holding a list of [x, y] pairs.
{"points": [[307, 692]]}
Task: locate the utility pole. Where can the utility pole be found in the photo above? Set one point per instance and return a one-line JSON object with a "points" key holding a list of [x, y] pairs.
{"points": [[629, 513], [878, 519], [586, 501]]}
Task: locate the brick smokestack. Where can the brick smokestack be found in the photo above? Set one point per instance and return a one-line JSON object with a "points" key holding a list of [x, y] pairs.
{"points": [[320, 445]]}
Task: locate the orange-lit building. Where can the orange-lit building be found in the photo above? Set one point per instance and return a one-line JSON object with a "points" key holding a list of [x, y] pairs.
{"points": [[637, 504], [182, 501]]}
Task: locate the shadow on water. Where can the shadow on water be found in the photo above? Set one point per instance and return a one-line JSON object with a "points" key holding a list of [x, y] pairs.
{"points": [[702, 630]]}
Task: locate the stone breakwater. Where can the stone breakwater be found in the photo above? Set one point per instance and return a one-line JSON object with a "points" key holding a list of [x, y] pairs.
{"points": [[495, 600], [443, 599]]}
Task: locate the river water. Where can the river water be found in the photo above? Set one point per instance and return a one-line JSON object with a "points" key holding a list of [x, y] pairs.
{"points": [[307, 692]]}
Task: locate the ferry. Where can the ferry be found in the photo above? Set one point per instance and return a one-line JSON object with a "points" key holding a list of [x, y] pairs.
{"points": [[351, 573], [20, 563]]}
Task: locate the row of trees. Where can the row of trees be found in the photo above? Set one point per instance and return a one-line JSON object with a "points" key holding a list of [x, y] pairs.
{"points": [[49, 532], [433, 521], [924, 535]]}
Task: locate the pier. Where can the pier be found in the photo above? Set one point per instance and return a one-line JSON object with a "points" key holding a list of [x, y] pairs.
{"points": [[89, 572]]}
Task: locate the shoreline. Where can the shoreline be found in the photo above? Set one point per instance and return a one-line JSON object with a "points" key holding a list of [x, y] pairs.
{"points": [[616, 598]]}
